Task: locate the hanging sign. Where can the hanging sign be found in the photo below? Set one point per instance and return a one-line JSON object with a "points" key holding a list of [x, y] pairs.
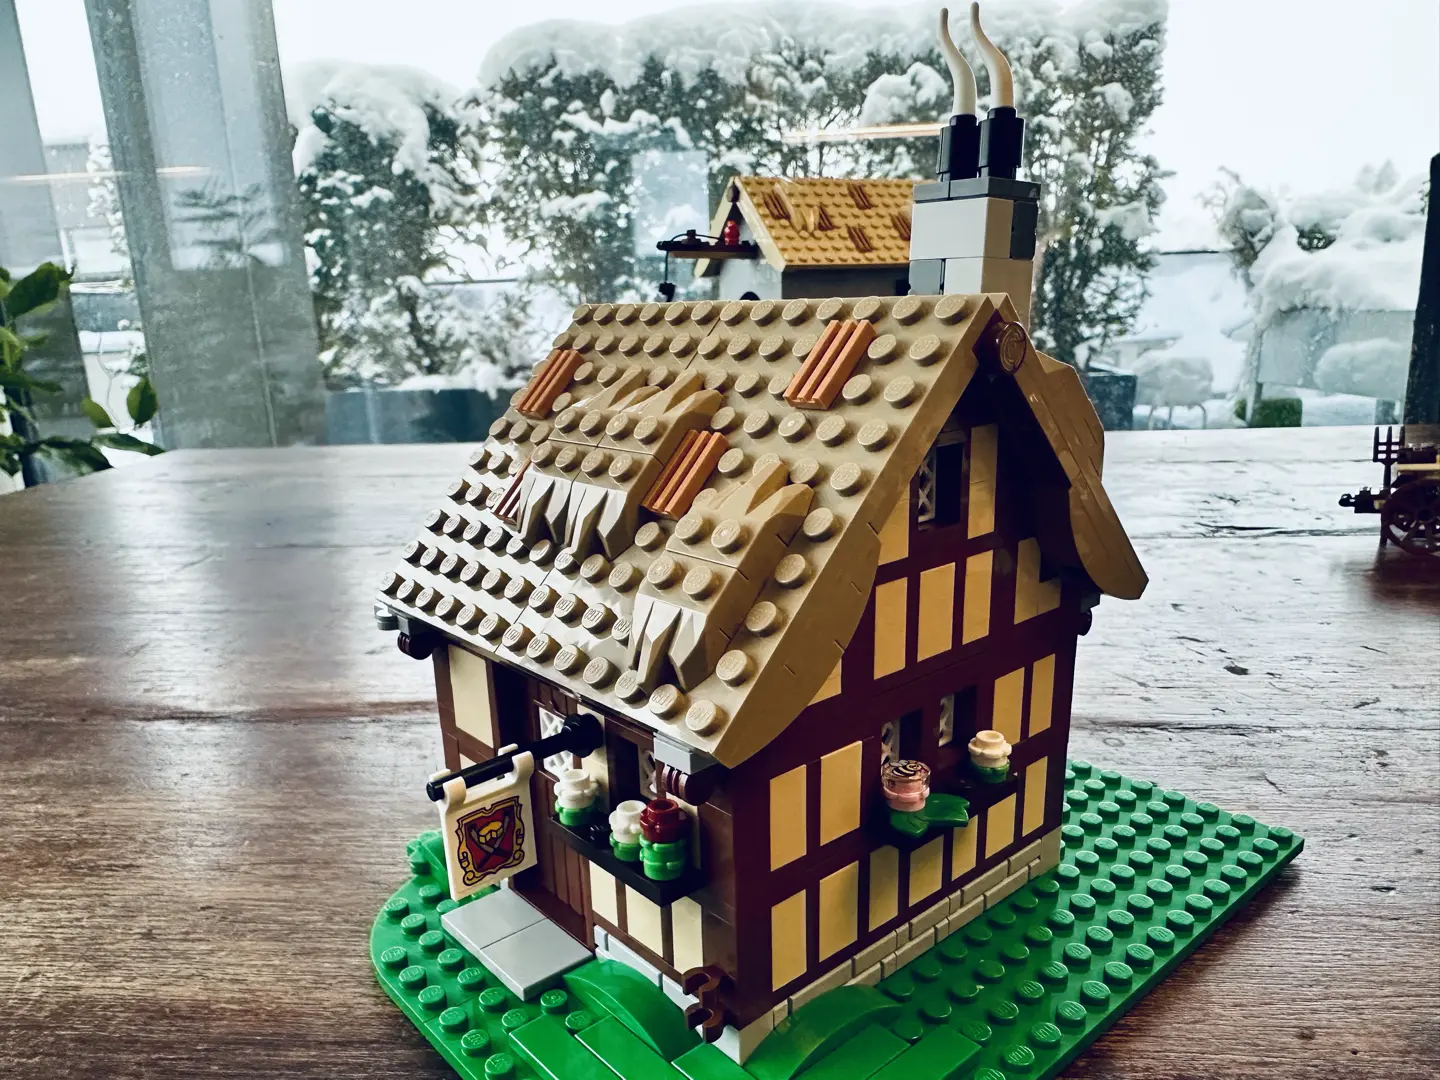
{"points": [[488, 829]]}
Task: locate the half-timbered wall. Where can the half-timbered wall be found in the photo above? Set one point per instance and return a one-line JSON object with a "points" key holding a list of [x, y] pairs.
{"points": [[965, 630]]}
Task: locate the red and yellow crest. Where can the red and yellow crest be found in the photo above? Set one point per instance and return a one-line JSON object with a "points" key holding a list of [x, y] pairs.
{"points": [[490, 839]]}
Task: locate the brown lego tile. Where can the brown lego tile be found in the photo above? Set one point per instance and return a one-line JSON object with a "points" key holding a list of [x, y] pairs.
{"points": [[548, 383]]}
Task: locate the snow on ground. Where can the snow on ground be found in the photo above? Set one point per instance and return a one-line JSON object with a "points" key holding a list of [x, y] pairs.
{"points": [[1196, 302], [725, 37]]}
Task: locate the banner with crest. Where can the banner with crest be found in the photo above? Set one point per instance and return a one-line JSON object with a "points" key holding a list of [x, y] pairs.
{"points": [[488, 829]]}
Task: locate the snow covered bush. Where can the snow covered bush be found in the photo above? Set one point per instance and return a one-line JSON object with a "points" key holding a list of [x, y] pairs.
{"points": [[388, 167], [1340, 252], [1372, 368], [568, 105], [1349, 249]]}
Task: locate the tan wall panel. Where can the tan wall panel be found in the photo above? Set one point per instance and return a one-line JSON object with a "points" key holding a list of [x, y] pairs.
{"points": [[1009, 698], [839, 909], [787, 940], [962, 849], [975, 622], [685, 936], [984, 449], [603, 895], [1027, 579], [937, 612], [642, 921], [840, 792], [925, 866], [831, 686], [473, 694], [787, 817], [895, 533], [1034, 815], [889, 627], [1000, 825], [884, 885], [1042, 694]]}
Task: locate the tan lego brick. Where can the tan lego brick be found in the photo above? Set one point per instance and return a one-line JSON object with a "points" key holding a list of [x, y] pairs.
{"points": [[1042, 694], [1033, 815], [988, 880], [964, 914], [1000, 826], [1006, 887], [929, 917], [1050, 846], [837, 976], [913, 948], [874, 952], [937, 612], [1024, 857], [869, 976]]}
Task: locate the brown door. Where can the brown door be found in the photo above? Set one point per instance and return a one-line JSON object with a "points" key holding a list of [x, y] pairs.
{"points": [[559, 884]]}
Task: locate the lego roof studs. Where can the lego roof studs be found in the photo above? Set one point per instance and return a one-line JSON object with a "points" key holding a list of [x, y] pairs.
{"points": [[689, 467]]}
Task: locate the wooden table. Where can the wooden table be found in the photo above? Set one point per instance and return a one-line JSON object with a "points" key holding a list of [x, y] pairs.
{"points": [[210, 760]]}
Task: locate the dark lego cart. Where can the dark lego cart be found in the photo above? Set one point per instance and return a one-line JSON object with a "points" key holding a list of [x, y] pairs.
{"points": [[1409, 501]]}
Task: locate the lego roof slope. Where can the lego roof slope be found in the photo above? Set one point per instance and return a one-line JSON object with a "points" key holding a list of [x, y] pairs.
{"points": [[821, 223], [717, 629]]}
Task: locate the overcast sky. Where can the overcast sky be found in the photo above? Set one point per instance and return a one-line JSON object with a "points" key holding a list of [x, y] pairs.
{"points": [[1294, 93]]}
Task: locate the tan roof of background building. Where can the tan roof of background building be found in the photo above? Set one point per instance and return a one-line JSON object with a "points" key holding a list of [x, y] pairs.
{"points": [[820, 222], [692, 495]]}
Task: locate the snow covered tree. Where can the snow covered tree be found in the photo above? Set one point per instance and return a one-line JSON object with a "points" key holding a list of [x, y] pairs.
{"points": [[388, 169], [568, 105]]}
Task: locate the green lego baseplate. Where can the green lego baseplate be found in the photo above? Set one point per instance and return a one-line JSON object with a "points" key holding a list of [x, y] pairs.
{"points": [[1146, 875]]}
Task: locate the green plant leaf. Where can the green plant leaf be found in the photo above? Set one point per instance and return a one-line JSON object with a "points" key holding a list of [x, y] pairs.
{"points": [[22, 380], [11, 344], [118, 441], [141, 402], [96, 413], [36, 290], [77, 453]]}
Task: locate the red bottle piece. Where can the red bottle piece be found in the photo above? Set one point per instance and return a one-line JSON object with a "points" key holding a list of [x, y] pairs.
{"points": [[662, 821]]}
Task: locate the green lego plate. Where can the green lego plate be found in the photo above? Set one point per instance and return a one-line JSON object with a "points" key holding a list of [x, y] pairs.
{"points": [[1146, 875]]}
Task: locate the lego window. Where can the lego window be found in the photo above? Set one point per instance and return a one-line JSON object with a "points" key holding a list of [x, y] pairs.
{"points": [[945, 727], [649, 787], [925, 490], [889, 742], [901, 738], [940, 481], [550, 724]]}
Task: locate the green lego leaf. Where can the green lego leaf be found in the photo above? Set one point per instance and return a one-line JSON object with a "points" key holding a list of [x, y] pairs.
{"points": [[909, 822], [949, 810], [939, 811]]}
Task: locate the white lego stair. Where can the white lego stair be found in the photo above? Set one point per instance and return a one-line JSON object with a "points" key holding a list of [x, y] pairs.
{"points": [[514, 941]]}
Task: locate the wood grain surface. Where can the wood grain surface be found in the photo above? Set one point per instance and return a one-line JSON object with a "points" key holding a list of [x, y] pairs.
{"points": [[210, 760]]}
